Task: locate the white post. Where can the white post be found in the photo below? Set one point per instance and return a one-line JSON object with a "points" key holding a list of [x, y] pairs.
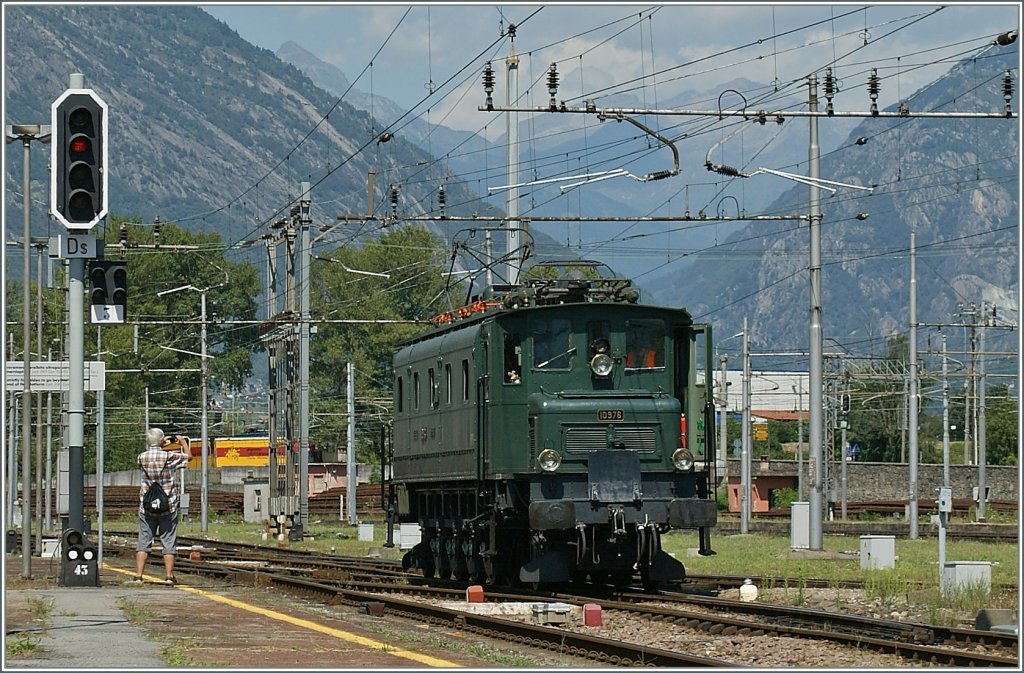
{"points": [[351, 390], [745, 449], [204, 434]]}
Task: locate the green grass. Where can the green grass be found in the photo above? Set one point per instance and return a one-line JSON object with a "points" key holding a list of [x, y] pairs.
{"points": [[26, 645], [22, 646], [914, 579], [137, 613], [916, 560]]}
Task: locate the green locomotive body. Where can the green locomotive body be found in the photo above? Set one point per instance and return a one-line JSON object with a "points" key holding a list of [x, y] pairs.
{"points": [[542, 437]]}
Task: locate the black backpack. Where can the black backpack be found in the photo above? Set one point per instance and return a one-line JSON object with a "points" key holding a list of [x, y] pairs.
{"points": [[156, 500]]}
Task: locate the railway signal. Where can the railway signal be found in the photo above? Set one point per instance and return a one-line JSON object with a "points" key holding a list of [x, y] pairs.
{"points": [[78, 175], [108, 293], [79, 561]]}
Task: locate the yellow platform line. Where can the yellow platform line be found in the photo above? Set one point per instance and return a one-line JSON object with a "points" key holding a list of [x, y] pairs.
{"points": [[312, 626]]}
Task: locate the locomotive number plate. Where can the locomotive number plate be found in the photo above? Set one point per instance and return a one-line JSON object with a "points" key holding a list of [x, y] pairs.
{"points": [[611, 415]]}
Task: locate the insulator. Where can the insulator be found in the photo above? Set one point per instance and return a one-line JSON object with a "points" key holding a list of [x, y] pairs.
{"points": [[394, 199], [873, 90], [441, 200], [156, 229], [1008, 89], [488, 79], [830, 84], [489, 85], [553, 79], [122, 235]]}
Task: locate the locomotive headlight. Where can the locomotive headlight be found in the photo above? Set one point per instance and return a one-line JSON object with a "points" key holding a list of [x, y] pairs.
{"points": [[549, 460], [683, 459], [601, 364]]}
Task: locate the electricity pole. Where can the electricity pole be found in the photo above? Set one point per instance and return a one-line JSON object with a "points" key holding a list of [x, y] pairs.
{"points": [[26, 133]]}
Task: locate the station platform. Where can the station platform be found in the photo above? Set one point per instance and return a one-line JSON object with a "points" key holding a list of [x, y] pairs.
{"points": [[197, 623]]}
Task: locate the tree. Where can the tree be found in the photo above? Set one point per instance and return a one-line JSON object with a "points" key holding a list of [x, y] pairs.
{"points": [[152, 358], [1001, 422], [878, 414], [394, 308]]}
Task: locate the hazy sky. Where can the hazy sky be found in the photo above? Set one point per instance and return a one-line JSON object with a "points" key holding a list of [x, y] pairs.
{"points": [[666, 48]]}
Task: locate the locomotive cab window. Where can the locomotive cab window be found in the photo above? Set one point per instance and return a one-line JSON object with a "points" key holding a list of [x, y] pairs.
{"points": [[432, 389], [645, 344], [552, 343], [513, 366]]}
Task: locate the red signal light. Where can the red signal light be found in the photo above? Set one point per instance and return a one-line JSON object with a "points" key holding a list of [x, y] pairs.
{"points": [[79, 145]]}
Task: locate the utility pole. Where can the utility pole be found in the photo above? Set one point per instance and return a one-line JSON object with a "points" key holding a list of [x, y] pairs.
{"points": [[800, 440], [745, 447], [970, 311], [723, 451], [914, 390], [981, 425], [272, 364], [26, 133], [351, 483], [815, 340], [41, 251], [304, 288], [512, 134], [843, 424]]}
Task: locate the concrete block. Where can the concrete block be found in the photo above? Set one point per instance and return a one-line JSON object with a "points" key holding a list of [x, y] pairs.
{"points": [[989, 617], [591, 614], [475, 594], [551, 613]]}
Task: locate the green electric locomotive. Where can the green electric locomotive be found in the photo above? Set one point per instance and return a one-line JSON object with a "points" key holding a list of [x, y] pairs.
{"points": [[540, 435]]}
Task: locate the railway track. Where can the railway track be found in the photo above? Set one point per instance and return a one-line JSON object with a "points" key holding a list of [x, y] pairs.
{"points": [[359, 582], [978, 532]]}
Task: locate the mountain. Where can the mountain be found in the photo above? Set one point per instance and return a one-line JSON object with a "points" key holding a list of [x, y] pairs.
{"points": [[953, 182], [216, 134], [205, 129]]}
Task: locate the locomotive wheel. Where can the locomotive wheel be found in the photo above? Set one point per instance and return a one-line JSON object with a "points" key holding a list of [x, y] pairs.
{"points": [[621, 580], [650, 586], [487, 562], [441, 564]]}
